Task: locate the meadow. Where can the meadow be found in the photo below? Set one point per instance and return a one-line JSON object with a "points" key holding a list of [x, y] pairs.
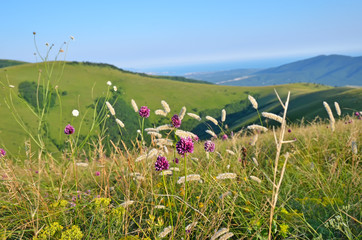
{"points": [[262, 176]]}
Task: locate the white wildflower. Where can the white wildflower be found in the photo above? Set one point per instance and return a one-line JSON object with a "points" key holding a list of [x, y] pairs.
{"points": [[329, 111], [230, 152], [182, 113], [166, 172], [163, 141], [11, 86], [191, 177], [156, 134], [184, 134], [165, 232], [151, 130], [164, 127], [110, 108], [219, 233], [175, 169], [194, 116], [140, 158], [161, 112], [255, 161], [253, 102], [213, 120], [120, 123], [115, 88], [152, 153], [272, 116], [75, 113], [109, 83], [223, 115], [338, 109], [226, 176], [134, 105], [81, 164], [211, 133], [160, 207], [256, 179], [257, 127], [165, 106]]}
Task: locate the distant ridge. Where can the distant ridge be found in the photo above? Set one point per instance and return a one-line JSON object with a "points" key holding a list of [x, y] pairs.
{"points": [[332, 70]]}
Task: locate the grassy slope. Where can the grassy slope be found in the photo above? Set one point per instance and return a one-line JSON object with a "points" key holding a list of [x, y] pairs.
{"points": [[7, 63], [85, 83]]}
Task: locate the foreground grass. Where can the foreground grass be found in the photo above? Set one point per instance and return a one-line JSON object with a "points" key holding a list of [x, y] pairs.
{"points": [[116, 197]]}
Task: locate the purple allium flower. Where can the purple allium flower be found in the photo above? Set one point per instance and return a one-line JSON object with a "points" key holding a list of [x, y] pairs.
{"points": [[176, 121], [209, 146], [289, 130], [161, 163], [224, 137], [185, 146], [357, 114], [2, 152], [176, 160], [97, 173], [144, 112], [69, 129]]}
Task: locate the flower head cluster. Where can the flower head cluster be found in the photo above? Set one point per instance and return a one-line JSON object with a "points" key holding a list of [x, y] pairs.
{"points": [[185, 146], [161, 164], [2, 152], [209, 146], [176, 121], [144, 112], [69, 129], [224, 137]]}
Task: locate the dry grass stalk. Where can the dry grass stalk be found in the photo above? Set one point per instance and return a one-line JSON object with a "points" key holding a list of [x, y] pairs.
{"points": [[219, 233], [134, 105], [253, 102], [338, 109], [272, 116], [223, 115], [110, 108], [194, 116], [279, 143], [213, 120], [182, 113]]}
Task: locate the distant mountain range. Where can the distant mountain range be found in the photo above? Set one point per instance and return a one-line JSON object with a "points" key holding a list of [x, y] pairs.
{"points": [[333, 70]]}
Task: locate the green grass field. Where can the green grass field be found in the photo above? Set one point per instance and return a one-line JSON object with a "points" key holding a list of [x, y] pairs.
{"points": [[84, 84]]}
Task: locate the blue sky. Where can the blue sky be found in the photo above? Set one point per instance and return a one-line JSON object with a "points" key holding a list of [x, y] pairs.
{"points": [[152, 34]]}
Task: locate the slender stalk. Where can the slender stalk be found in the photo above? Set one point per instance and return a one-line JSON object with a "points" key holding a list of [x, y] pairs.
{"points": [[279, 143]]}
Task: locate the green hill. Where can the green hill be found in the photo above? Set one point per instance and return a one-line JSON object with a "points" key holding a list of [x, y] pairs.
{"points": [[9, 63], [80, 85]]}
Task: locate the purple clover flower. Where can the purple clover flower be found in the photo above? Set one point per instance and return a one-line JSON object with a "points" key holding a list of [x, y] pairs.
{"points": [[176, 121], [144, 112], [185, 146], [161, 163], [357, 114], [176, 160], [69, 129], [289, 130], [2, 152], [224, 137], [97, 173], [209, 146]]}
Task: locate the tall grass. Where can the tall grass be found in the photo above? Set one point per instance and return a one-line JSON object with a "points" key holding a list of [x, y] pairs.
{"points": [[294, 182]]}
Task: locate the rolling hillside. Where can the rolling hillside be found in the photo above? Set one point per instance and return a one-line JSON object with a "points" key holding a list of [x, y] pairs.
{"points": [[81, 85], [332, 70], [9, 63]]}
